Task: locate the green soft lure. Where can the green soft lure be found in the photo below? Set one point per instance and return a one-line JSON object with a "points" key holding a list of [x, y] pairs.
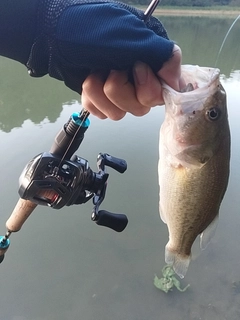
{"points": [[168, 281]]}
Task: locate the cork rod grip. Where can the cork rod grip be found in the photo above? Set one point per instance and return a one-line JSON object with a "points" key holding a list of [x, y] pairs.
{"points": [[20, 213]]}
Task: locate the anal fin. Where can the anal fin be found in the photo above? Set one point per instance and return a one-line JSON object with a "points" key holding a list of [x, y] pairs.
{"points": [[162, 215], [208, 233]]}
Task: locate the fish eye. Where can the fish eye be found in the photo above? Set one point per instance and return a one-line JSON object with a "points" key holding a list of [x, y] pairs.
{"points": [[213, 114]]}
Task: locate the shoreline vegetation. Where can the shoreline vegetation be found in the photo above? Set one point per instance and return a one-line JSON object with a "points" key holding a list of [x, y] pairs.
{"points": [[218, 12]]}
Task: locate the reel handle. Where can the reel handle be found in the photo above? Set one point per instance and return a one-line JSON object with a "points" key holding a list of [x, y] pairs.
{"points": [[114, 221], [106, 159]]}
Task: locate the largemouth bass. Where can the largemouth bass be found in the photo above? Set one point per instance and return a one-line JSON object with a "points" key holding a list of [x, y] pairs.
{"points": [[194, 162]]}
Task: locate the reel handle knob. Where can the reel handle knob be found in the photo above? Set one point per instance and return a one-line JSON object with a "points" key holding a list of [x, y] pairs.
{"points": [[115, 221], [117, 164]]}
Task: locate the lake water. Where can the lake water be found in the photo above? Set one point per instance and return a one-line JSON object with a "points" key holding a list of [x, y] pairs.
{"points": [[61, 265]]}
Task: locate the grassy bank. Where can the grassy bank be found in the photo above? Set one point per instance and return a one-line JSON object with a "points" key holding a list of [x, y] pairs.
{"points": [[218, 11]]}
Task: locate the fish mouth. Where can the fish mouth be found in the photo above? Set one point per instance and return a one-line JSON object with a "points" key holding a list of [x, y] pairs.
{"points": [[201, 83], [189, 87], [198, 77]]}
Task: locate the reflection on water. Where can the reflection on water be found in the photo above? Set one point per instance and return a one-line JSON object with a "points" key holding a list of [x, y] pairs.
{"points": [[23, 97], [61, 265]]}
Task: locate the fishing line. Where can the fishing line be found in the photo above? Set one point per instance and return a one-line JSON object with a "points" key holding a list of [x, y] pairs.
{"points": [[224, 40]]}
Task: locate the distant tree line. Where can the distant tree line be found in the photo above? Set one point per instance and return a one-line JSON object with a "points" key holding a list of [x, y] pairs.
{"points": [[189, 3]]}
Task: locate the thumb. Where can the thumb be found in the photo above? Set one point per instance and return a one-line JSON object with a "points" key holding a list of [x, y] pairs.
{"points": [[147, 85]]}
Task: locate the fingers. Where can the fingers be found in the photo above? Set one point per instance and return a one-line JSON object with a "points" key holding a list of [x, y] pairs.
{"points": [[171, 70], [113, 97], [96, 102], [121, 92]]}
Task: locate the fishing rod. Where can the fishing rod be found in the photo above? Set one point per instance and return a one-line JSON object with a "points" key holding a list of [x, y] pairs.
{"points": [[150, 9], [60, 178]]}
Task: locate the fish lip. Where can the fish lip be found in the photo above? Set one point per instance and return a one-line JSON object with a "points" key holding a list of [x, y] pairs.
{"points": [[187, 102]]}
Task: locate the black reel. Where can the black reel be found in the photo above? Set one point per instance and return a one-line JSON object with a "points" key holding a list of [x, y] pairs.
{"points": [[57, 179]]}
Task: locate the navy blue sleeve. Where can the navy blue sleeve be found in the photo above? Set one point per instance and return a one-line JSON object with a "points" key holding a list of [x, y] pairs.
{"points": [[109, 36], [69, 39], [77, 37]]}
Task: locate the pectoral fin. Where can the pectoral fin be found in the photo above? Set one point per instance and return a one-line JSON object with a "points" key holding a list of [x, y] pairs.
{"points": [[195, 156]]}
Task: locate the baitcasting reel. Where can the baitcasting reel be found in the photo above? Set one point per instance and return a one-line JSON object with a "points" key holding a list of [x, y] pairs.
{"points": [[48, 180], [59, 178]]}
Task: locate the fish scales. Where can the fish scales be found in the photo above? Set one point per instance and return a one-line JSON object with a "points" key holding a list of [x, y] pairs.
{"points": [[194, 162]]}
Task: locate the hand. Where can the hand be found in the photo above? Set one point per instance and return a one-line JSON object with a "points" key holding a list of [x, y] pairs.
{"points": [[116, 95], [113, 97]]}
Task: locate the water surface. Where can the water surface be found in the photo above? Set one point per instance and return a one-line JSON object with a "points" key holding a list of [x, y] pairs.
{"points": [[61, 265]]}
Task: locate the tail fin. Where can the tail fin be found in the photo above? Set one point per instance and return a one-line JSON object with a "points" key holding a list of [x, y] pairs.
{"points": [[179, 262]]}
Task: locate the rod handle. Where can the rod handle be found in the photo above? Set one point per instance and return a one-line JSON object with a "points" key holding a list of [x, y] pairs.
{"points": [[20, 213]]}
